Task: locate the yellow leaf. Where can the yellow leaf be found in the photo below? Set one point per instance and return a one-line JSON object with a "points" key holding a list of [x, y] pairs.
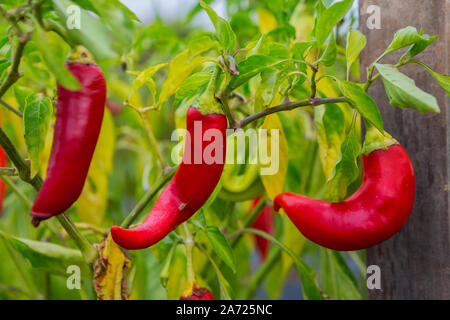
{"points": [[122, 90], [303, 21], [45, 154], [179, 69], [91, 206], [145, 78], [110, 272], [277, 151], [15, 124], [266, 20], [177, 281], [294, 240]]}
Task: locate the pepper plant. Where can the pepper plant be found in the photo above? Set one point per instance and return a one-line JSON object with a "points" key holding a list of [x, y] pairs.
{"points": [[285, 65]]}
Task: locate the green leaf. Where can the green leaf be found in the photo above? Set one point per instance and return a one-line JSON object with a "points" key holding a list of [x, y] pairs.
{"points": [[337, 278], [53, 59], [418, 47], [327, 3], [329, 56], [47, 256], [402, 91], [266, 90], [4, 64], [199, 220], [36, 122], [144, 78], [346, 170], [311, 290], [362, 102], [192, 85], [118, 19], [179, 69], [330, 123], [91, 33], [299, 49], [403, 38], [4, 41], [21, 94], [221, 246], [225, 34], [443, 80], [252, 66], [356, 41], [329, 17]]}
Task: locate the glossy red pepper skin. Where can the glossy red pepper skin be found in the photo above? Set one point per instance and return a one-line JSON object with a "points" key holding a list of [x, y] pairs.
{"points": [[199, 294], [374, 213], [264, 222], [78, 122], [188, 190]]}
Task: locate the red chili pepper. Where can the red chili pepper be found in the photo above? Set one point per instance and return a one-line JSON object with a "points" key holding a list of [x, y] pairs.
{"points": [[79, 118], [374, 213], [263, 222], [198, 293], [188, 190]]}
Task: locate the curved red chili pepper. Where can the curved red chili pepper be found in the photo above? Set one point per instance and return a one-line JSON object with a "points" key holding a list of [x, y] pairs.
{"points": [[263, 222], [374, 213], [188, 190], [79, 118], [198, 293]]}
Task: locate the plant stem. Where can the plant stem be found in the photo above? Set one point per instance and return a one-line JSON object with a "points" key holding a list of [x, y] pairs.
{"points": [[11, 108], [87, 226], [261, 273], [153, 141], [290, 106], [132, 216], [22, 166], [272, 239], [223, 97], [189, 244], [88, 251], [249, 220], [313, 85], [8, 172], [16, 190], [13, 73], [224, 295]]}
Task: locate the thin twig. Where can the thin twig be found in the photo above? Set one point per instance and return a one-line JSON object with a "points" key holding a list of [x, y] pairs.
{"points": [[16, 190], [13, 73], [11, 108], [8, 172], [134, 214], [290, 106], [153, 141]]}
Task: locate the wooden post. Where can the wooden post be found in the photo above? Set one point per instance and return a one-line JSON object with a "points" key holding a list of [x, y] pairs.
{"points": [[415, 264]]}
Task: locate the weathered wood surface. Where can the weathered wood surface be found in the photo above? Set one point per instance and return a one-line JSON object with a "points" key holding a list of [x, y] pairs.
{"points": [[415, 264]]}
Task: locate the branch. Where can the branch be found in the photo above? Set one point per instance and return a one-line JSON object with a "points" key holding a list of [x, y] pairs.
{"points": [[8, 171], [11, 108], [13, 73], [22, 166], [290, 106], [23, 169], [147, 198]]}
